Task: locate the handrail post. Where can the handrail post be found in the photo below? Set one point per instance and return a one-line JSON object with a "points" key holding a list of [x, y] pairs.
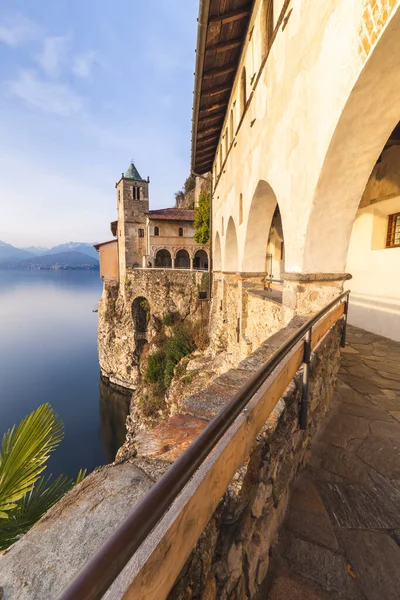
{"points": [[306, 375], [346, 310]]}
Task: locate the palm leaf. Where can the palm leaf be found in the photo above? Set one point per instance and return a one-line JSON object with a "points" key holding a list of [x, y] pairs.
{"points": [[34, 505], [24, 452]]}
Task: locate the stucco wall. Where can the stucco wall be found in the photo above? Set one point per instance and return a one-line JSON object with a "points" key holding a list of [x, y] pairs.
{"points": [[318, 115], [109, 260], [375, 298]]}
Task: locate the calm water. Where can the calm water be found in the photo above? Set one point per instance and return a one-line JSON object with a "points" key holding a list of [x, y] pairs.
{"points": [[48, 353]]}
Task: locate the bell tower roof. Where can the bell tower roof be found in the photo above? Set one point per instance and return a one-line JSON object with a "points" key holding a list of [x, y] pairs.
{"points": [[132, 173]]}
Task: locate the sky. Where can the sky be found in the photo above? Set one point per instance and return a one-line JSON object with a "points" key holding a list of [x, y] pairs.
{"points": [[86, 86]]}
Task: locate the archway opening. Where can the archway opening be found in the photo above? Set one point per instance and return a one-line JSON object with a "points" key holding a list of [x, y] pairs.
{"points": [[182, 259], [231, 255], [141, 314], [163, 259], [373, 256], [259, 221], [275, 256], [217, 263], [200, 260]]}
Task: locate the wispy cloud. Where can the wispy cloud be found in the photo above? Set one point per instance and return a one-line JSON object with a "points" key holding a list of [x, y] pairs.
{"points": [[53, 55], [17, 30], [49, 97], [83, 63]]}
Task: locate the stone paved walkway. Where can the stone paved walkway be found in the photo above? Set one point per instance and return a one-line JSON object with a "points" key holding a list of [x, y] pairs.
{"points": [[341, 537]]}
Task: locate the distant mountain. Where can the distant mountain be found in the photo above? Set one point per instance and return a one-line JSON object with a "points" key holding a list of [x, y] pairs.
{"points": [[36, 250], [60, 261], [74, 247], [9, 252]]}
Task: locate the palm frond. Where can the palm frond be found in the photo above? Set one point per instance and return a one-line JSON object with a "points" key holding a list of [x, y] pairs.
{"points": [[24, 452], [34, 505]]}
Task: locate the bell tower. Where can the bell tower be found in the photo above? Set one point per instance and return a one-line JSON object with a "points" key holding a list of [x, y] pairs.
{"points": [[132, 206]]}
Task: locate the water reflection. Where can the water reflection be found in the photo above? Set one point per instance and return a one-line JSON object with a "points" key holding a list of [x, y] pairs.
{"points": [[114, 408]]}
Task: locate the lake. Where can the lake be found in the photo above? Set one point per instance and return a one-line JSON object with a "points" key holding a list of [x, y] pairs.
{"points": [[48, 353]]}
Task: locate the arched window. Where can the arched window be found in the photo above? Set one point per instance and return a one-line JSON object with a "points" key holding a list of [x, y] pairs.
{"points": [[226, 141], [156, 231], [240, 209], [243, 93], [231, 126], [220, 158]]}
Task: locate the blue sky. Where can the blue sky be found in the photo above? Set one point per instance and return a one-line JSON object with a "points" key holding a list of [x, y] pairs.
{"points": [[86, 85]]}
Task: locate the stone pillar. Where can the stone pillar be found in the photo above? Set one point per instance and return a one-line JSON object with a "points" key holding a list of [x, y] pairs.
{"points": [[173, 262], [191, 263], [306, 293]]}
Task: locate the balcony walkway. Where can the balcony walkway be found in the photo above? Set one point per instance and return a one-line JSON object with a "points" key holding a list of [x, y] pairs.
{"points": [[341, 536]]}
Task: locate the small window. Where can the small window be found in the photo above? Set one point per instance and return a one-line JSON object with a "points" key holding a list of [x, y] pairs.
{"points": [[180, 231], [119, 196], [393, 232], [156, 231], [141, 233], [139, 193], [231, 125]]}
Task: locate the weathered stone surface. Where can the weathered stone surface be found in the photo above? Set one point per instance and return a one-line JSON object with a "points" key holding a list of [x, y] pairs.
{"points": [[45, 560], [343, 428], [375, 558], [286, 587], [340, 462], [170, 439], [324, 567], [355, 507], [382, 454]]}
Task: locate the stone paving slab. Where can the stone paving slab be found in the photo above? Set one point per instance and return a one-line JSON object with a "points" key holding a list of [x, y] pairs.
{"points": [[341, 537]]}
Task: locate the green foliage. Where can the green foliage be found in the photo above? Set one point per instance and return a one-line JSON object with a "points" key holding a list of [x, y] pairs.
{"points": [[190, 183], [155, 368], [205, 282], [169, 319], [25, 495], [202, 219], [145, 306], [161, 364]]}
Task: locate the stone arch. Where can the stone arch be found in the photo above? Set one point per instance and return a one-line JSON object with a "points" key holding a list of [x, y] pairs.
{"points": [[163, 259], [182, 259], [370, 114], [140, 314], [231, 255], [217, 262], [259, 222], [200, 260]]}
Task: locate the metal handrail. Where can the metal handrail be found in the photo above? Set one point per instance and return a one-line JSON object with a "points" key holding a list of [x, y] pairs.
{"points": [[100, 571]]}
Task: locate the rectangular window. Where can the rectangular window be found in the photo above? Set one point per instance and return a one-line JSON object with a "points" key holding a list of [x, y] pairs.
{"points": [[141, 232], [393, 232]]}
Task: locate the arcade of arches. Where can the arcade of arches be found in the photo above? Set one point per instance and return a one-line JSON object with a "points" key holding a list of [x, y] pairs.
{"points": [[310, 198]]}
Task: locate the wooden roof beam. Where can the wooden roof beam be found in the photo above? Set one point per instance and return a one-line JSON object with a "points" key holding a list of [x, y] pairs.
{"points": [[225, 46], [202, 134], [219, 115], [212, 107], [207, 139], [221, 89], [235, 15], [219, 71]]}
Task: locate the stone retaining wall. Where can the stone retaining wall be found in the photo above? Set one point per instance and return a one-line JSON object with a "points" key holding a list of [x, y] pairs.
{"points": [[167, 291]]}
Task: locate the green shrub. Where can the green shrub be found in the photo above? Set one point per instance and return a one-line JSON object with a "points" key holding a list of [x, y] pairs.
{"points": [[202, 219], [155, 368], [169, 319]]}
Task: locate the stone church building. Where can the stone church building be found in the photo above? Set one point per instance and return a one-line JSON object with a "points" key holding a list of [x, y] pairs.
{"points": [[147, 239]]}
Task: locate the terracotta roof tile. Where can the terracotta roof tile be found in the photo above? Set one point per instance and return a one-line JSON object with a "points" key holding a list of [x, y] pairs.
{"points": [[171, 214]]}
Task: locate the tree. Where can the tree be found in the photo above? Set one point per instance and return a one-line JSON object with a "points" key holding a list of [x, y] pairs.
{"points": [[25, 495], [202, 219]]}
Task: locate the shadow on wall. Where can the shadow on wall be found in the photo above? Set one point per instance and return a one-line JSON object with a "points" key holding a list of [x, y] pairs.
{"points": [[376, 313], [114, 409]]}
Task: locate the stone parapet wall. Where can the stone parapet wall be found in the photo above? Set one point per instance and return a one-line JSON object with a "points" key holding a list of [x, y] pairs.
{"points": [[231, 559], [167, 291]]}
